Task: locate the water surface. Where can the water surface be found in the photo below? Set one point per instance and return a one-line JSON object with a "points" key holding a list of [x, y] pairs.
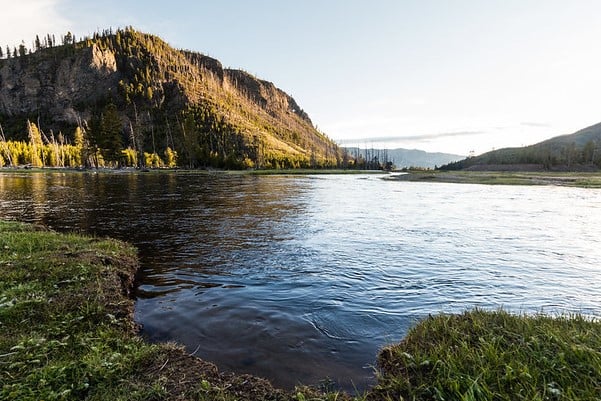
{"points": [[298, 278]]}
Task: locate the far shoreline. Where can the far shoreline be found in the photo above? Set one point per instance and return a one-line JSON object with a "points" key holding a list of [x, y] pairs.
{"points": [[565, 179], [577, 179], [133, 170]]}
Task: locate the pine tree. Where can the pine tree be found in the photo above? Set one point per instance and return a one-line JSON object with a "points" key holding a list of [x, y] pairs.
{"points": [[78, 140], [112, 140], [1, 53], [38, 44], [35, 141], [92, 140], [68, 39], [22, 50], [78, 137], [188, 141]]}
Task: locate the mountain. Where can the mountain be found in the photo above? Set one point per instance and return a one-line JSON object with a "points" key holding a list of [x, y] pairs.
{"points": [[580, 151], [402, 158], [130, 91], [419, 158]]}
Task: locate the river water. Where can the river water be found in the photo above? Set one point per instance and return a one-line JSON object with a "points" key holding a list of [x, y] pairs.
{"points": [[302, 278]]}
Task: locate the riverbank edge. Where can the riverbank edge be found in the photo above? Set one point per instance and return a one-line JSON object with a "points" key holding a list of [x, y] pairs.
{"points": [[569, 179], [67, 329], [131, 170], [67, 332]]}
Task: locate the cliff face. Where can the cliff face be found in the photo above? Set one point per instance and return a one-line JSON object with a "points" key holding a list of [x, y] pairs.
{"points": [[54, 86], [185, 100]]}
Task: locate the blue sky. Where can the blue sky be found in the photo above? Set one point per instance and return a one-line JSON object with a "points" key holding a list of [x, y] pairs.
{"points": [[439, 75]]}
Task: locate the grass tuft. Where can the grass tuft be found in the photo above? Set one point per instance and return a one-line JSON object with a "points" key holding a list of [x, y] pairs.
{"points": [[482, 355]]}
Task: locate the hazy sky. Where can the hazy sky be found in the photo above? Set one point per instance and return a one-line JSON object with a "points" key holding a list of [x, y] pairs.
{"points": [[438, 75]]}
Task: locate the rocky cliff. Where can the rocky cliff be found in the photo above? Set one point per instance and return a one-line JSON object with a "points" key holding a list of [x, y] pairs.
{"points": [[165, 98], [53, 86]]}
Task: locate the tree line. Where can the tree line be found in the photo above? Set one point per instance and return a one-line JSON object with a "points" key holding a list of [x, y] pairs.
{"points": [[88, 149], [366, 159], [100, 144], [567, 155], [47, 41]]}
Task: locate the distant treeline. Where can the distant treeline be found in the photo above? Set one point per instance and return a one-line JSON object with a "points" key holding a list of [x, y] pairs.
{"points": [[366, 159], [550, 156], [46, 42]]}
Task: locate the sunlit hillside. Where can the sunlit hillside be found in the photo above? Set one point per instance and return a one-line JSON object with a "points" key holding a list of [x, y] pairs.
{"points": [[132, 95]]}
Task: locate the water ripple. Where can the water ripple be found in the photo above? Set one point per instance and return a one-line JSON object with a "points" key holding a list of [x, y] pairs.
{"points": [[299, 278]]}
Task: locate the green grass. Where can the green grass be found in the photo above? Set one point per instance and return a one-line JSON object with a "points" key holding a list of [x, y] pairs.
{"points": [[65, 332], [494, 356]]}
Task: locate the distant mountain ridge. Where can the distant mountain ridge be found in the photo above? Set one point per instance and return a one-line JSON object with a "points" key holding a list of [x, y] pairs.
{"points": [[406, 158], [156, 97], [580, 151]]}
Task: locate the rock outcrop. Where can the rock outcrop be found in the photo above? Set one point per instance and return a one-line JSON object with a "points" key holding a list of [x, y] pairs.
{"points": [[56, 86]]}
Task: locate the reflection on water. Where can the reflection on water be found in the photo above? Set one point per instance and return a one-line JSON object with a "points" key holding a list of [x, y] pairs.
{"points": [[301, 278]]}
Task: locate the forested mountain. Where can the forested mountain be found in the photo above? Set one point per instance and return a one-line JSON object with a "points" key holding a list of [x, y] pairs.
{"points": [[580, 151], [128, 98]]}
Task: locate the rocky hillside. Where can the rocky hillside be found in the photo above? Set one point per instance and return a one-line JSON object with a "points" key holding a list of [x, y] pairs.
{"points": [[580, 151], [131, 90]]}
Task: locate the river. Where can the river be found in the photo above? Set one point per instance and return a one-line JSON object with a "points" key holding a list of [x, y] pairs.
{"points": [[303, 278]]}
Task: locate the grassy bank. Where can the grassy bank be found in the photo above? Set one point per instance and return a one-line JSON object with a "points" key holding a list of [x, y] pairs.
{"points": [[67, 329], [576, 179], [311, 172], [67, 333], [494, 356]]}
